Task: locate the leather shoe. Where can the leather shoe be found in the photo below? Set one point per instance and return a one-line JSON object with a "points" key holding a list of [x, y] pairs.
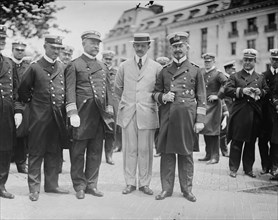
{"points": [[22, 168], [110, 161], [190, 197], [80, 194], [162, 195], [233, 174], [129, 189], [146, 190], [94, 192], [212, 161], [251, 174], [204, 159], [264, 171], [5, 194], [34, 196], [57, 190]]}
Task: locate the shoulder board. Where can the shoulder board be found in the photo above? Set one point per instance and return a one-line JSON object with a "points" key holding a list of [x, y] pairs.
{"points": [[194, 64]]}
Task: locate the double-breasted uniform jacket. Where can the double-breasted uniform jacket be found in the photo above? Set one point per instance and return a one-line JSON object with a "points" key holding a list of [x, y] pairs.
{"points": [[270, 116], [214, 80], [7, 97], [19, 69], [43, 86], [177, 119], [246, 116], [134, 88], [88, 95]]}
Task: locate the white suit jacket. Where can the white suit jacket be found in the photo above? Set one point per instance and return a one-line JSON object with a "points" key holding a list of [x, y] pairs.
{"points": [[134, 88]]}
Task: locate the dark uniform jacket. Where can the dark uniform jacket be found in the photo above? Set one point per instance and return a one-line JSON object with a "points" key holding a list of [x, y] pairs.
{"points": [[177, 119], [214, 80], [270, 115], [43, 86], [246, 116], [19, 69], [7, 97], [87, 92]]}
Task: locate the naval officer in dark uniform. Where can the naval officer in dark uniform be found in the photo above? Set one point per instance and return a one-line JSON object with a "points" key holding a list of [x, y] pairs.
{"points": [[180, 91], [43, 87], [7, 118], [247, 88], [90, 112]]}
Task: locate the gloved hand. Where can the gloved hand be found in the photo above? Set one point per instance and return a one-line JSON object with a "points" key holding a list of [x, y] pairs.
{"points": [[198, 127], [224, 123], [109, 109], [212, 98], [75, 121], [17, 119], [168, 97]]}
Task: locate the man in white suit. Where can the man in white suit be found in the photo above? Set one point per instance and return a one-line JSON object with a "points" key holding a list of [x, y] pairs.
{"points": [[137, 114]]}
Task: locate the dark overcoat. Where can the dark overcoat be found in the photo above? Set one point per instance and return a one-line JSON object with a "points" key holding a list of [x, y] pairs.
{"points": [[246, 116], [270, 115], [177, 119], [87, 93], [214, 80], [19, 69], [7, 96], [43, 86]]}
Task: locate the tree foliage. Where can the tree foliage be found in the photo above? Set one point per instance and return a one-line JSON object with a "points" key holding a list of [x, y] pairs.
{"points": [[29, 18]]}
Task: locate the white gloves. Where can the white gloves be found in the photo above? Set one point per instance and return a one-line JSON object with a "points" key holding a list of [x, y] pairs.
{"points": [[224, 123], [109, 109], [75, 121], [17, 119], [168, 97], [198, 127]]}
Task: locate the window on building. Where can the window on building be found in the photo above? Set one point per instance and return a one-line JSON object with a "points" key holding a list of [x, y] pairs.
{"points": [[149, 23], [193, 12], [204, 35], [271, 25], [252, 25], [116, 50], [233, 48], [162, 21], [270, 43], [124, 49], [234, 26], [212, 8], [251, 44], [177, 17], [271, 19]]}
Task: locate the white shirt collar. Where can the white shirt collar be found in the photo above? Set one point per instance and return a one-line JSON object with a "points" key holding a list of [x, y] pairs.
{"points": [[227, 75], [250, 71], [272, 70], [48, 59], [144, 58], [16, 60], [213, 67], [180, 60], [89, 56]]}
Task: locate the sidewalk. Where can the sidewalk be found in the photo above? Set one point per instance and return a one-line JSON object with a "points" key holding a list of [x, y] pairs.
{"points": [[218, 196]]}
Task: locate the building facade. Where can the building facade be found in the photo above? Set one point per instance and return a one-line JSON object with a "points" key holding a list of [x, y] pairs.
{"points": [[223, 27]]}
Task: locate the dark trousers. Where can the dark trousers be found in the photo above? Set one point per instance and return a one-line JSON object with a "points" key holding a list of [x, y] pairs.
{"points": [[118, 138], [108, 145], [248, 157], [268, 152], [185, 171], [223, 141], [5, 160], [93, 147], [20, 150], [51, 171], [212, 146]]}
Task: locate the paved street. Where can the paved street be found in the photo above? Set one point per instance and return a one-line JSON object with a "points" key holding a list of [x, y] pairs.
{"points": [[218, 196]]}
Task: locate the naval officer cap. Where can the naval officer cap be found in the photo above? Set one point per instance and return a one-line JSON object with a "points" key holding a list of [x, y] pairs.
{"points": [[208, 56], [274, 53], [3, 31], [91, 35], [229, 64], [163, 60], [141, 38], [54, 40], [108, 54], [178, 38], [20, 45], [250, 53]]}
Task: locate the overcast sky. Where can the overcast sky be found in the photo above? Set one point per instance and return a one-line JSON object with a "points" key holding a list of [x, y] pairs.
{"points": [[80, 16]]}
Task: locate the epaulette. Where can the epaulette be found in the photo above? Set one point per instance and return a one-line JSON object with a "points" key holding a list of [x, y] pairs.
{"points": [[194, 64]]}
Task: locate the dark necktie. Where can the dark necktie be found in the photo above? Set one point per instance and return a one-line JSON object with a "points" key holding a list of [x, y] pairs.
{"points": [[140, 63], [275, 71]]}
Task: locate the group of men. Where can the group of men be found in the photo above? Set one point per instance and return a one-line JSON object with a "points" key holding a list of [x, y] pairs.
{"points": [[80, 104]]}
